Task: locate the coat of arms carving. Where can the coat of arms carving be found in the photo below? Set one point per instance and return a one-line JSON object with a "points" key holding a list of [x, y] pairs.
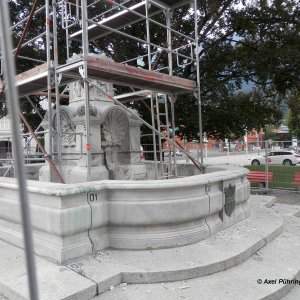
{"points": [[229, 205]]}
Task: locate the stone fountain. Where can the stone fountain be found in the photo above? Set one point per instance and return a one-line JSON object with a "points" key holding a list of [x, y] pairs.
{"points": [[114, 137], [121, 207]]}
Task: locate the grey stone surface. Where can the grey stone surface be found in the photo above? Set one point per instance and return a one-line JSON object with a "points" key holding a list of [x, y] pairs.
{"points": [[54, 281], [225, 266], [294, 294], [286, 210], [219, 252], [266, 201], [278, 260], [70, 219]]}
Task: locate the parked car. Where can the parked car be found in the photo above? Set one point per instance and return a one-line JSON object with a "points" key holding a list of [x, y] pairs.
{"points": [[277, 157], [178, 153]]}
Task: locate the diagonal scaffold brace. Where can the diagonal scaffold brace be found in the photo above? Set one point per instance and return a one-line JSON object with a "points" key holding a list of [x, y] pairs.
{"points": [[197, 164]]}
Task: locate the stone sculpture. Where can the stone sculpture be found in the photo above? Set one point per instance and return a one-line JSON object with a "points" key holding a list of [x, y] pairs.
{"points": [[114, 137]]}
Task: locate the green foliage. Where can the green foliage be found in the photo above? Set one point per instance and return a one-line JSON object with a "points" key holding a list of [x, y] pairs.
{"points": [[255, 42], [269, 44], [232, 115], [270, 133], [293, 116]]}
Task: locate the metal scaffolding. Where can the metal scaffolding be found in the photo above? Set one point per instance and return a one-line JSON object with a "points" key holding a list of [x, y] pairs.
{"points": [[86, 23], [80, 22]]}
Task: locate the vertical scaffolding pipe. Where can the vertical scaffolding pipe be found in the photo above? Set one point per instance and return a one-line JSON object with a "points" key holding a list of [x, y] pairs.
{"points": [[198, 80], [169, 172], [152, 106], [85, 48], [67, 31], [49, 84], [174, 134], [148, 35], [169, 41], [55, 53], [160, 146], [170, 63], [153, 137], [13, 106], [67, 43]]}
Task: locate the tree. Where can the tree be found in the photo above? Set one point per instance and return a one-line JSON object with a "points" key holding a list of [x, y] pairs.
{"points": [[241, 42], [233, 115], [268, 43], [293, 117]]}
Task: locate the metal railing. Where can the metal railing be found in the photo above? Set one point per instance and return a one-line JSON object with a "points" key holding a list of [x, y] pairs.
{"points": [[263, 156]]}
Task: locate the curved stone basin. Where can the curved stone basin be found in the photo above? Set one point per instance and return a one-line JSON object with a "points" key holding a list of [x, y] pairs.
{"points": [[72, 220]]}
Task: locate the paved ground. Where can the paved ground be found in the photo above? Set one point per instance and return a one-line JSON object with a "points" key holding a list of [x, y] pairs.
{"points": [[272, 261], [287, 203], [286, 197]]}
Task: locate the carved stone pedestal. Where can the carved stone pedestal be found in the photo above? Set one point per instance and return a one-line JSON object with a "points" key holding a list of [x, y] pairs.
{"points": [[114, 138]]}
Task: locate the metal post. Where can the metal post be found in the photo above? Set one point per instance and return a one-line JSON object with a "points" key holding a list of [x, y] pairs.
{"points": [[13, 106], [49, 84], [170, 64], [85, 47], [148, 36], [198, 81], [67, 43], [266, 166], [56, 78], [154, 137], [152, 106], [169, 41], [160, 144]]}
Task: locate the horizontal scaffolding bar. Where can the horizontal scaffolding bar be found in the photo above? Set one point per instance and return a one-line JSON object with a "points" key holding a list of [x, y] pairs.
{"points": [[25, 19], [35, 79], [117, 21], [139, 40], [128, 16], [134, 96], [111, 71], [171, 4]]}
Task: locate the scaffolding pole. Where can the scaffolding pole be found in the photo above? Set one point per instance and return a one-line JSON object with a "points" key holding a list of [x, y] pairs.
{"points": [[198, 81], [13, 106], [154, 137], [56, 85], [85, 48], [151, 99], [170, 63]]}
